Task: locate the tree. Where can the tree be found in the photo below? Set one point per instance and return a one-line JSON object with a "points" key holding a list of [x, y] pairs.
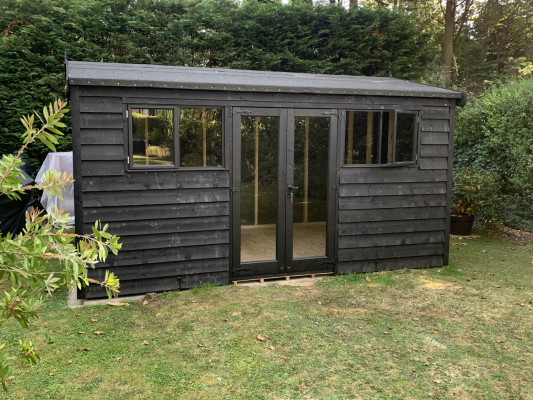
{"points": [[456, 15], [45, 255]]}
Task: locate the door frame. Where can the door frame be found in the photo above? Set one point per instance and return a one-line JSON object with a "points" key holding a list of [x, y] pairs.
{"points": [[284, 264]]}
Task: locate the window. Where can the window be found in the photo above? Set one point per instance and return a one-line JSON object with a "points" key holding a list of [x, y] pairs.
{"points": [[176, 136], [380, 137], [200, 137], [153, 136]]}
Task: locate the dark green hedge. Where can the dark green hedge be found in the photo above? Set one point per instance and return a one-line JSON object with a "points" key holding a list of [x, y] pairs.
{"points": [[212, 33]]}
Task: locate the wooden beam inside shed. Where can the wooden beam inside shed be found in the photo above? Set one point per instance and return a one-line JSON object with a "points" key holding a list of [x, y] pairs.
{"points": [[146, 144], [389, 142], [369, 136], [349, 144], [204, 137]]}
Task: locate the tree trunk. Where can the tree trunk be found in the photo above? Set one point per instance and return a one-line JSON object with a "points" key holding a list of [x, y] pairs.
{"points": [[447, 43]]}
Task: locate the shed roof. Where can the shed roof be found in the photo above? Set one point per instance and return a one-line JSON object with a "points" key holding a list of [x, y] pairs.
{"points": [[172, 77]]}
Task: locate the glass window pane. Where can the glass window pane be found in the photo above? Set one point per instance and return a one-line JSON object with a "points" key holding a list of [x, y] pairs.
{"points": [[259, 179], [153, 136], [311, 177], [405, 134], [200, 137], [362, 137]]}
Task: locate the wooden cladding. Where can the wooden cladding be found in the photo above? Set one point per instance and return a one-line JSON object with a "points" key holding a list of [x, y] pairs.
{"points": [[390, 190]]}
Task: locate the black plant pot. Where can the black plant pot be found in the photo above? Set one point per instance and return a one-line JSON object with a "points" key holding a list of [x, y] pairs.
{"points": [[461, 224]]}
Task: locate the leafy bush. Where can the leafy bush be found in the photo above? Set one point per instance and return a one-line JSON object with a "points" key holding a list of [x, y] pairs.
{"points": [[495, 133], [475, 192]]}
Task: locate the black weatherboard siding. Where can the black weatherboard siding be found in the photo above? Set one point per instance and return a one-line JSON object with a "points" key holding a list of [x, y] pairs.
{"points": [[177, 224]]}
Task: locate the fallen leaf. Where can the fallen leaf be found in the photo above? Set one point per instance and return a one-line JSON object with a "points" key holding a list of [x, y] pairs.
{"points": [[416, 319], [437, 381], [77, 315], [69, 362], [390, 327], [226, 320], [81, 332], [51, 373], [191, 381], [368, 279], [261, 338], [386, 333], [94, 320], [144, 343], [118, 304], [530, 306], [200, 345], [505, 347], [500, 341], [519, 337], [98, 332], [428, 363], [158, 314], [85, 349], [496, 286], [194, 301], [236, 313], [483, 297], [145, 302], [272, 348]]}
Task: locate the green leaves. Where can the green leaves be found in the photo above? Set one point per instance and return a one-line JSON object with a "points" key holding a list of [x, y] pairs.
{"points": [[45, 255], [494, 134]]}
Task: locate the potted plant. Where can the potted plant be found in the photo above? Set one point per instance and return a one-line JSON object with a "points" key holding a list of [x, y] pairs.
{"points": [[474, 192]]}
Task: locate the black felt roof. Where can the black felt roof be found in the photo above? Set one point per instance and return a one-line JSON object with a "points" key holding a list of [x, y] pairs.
{"points": [[159, 76]]}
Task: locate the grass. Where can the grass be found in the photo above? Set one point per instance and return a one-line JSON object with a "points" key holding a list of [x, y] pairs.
{"points": [[459, 332]]}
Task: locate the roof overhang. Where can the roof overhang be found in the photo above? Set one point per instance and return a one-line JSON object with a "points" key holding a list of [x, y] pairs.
{"points": [[171, 77]]}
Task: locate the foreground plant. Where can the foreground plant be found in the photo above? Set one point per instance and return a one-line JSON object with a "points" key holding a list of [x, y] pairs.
{"points": [[45, 256]]}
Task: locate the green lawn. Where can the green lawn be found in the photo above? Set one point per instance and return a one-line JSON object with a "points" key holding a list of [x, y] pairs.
{"points": [[460, 332]]}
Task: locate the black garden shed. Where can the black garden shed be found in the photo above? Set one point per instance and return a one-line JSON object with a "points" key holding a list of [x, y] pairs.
{"points": [[215, 175]]}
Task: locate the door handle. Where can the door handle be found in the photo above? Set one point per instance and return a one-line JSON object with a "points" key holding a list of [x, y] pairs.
{"points": [[291, 187]]}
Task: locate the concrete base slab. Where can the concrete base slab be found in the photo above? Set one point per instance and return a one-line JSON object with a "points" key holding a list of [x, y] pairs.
{"points": [[74, 302]]}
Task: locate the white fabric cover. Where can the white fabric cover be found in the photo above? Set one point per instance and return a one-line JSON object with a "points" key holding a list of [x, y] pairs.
{"points": [[61, 162]]}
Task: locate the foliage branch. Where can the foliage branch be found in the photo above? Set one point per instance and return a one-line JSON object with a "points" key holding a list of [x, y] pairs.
{"points": [[45, 256]]}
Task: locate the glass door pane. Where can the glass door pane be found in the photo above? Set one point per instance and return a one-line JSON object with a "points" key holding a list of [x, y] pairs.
{"points": [[310, 199], [259, 180]]}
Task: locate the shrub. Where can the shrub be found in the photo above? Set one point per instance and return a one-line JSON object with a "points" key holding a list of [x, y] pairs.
{"points": [[476, 193], [495, 133]]}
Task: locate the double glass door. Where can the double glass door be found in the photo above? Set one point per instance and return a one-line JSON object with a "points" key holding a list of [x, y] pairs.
{"points": [[283, 191]]}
